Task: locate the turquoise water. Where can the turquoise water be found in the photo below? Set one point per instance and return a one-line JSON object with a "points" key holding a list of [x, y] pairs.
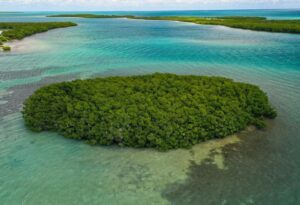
{"points": [[257, 167]]}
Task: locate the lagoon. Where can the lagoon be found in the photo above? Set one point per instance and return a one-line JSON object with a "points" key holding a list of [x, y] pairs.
{"points": [[260, 167]]}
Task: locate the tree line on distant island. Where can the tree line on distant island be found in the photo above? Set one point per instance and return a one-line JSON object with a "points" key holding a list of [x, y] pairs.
{"points": [[20, 30], [250, 23], [162, 111]]}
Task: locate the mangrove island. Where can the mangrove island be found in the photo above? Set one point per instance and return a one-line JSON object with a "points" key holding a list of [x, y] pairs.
{"points": [[161, 111], [20, 30], [249, 23]]}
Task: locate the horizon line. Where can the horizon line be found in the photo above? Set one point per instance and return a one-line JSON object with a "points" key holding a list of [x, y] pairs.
{"points": [[150, 10]]}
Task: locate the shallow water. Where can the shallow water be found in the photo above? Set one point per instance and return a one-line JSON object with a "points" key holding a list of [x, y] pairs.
{"points": [[261, 167]]}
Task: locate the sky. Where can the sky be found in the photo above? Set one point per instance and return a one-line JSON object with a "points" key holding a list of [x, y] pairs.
{"points": [[127, 5]]}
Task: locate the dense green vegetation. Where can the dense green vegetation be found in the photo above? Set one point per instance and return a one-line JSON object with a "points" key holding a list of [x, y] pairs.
{"points": [[163, 111], [6, 48], [250, 23], [20, 30], [91, 16]]}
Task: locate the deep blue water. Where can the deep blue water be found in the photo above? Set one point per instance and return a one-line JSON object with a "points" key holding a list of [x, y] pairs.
{"points": [[260, 167]]}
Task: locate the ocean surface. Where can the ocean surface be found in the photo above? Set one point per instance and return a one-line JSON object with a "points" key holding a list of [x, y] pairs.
{"points": [[252, 167]]}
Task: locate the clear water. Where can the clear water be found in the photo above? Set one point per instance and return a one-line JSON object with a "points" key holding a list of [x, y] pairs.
{"points": [[259, 167]]}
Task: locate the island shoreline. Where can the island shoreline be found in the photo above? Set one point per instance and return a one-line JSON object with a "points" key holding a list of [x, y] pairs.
{"points": [[261, 24], [19, 30]]}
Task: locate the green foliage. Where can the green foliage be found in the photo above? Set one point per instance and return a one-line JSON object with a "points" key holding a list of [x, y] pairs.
{"points": [[90, 16], [259, 123], [3, 39], [250, 23], [19, 30], [163, 111], [6, 48]]}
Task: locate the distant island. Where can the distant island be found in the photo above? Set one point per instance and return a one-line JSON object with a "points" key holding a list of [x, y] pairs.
{"points": [[10, 12], [20, 30], [249, 23], [161, 111]]}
